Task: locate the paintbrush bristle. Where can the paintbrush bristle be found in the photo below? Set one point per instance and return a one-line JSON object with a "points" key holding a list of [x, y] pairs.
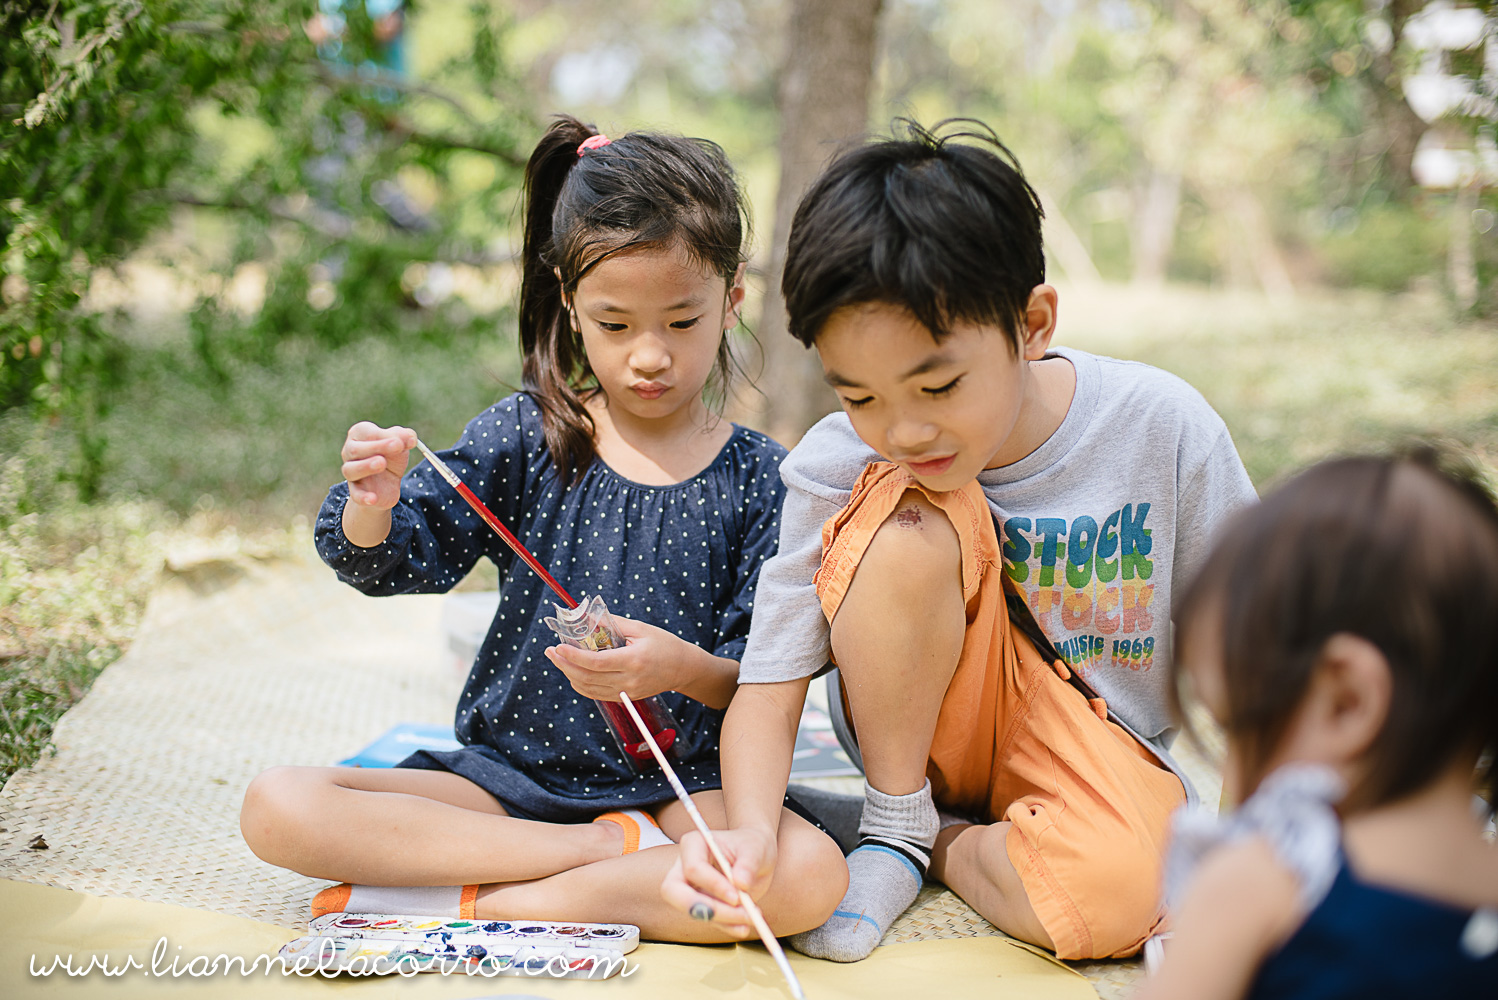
{"points": [[437, 463]]}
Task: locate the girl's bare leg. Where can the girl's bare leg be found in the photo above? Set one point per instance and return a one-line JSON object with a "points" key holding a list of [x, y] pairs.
{"points": [[404, 826], [810, 878]]}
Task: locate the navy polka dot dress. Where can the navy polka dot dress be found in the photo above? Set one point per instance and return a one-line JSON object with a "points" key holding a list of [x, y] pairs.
{"points": [[684, 557]]}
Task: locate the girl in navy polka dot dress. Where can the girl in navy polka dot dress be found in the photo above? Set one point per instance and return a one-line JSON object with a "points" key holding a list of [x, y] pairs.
{"points": [[611, 468]]}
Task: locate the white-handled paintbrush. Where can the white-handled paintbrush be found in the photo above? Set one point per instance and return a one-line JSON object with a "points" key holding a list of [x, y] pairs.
{"points": [[755, 917]]}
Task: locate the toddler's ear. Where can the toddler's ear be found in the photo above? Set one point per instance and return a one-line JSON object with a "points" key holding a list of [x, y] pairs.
{"points": [[1349, 697]]}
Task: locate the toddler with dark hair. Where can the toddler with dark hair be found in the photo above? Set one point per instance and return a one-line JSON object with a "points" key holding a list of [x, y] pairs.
{"points": [[1344, 634], [984, 543]]}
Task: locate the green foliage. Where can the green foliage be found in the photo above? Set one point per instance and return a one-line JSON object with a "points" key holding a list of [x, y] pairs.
{"points": [[107, 103], [73, 580], [1386, 246], [98, 95]]}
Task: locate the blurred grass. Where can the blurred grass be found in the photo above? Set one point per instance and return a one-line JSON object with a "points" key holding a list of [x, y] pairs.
{"points": [[195, 463], [72, 582], [1321, 374], [264, 443]]}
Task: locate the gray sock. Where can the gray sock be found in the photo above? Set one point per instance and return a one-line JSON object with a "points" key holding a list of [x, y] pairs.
{"points": [[885, 873]]}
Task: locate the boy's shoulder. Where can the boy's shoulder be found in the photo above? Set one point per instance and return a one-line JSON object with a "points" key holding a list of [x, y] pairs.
{"points": [[1138, 407], [828, 459], [1138, 387], [1119, 406]]}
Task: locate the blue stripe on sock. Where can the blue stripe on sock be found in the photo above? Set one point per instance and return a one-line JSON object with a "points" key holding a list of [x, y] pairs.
{"points": [[859, 916], [914, 871]]}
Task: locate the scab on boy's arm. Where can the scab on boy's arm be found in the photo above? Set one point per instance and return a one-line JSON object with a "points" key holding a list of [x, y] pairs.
{"points": [[1241, 906]]}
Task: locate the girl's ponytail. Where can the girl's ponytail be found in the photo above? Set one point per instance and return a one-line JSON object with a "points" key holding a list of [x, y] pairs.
{"points": [[552, 357]]}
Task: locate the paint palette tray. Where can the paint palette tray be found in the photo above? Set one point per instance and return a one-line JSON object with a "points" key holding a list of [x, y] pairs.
{"points": [[619, 937], [383, 943]]}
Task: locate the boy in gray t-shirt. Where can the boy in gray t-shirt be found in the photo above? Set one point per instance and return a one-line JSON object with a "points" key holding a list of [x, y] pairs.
{"points": [[1120, 500], [976, 476]]}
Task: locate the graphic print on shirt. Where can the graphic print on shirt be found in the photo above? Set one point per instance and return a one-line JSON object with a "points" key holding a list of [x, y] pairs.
{"points": [[1088, 584]]}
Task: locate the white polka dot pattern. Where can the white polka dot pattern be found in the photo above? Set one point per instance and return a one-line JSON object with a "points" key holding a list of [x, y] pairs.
{"points": [[685, 557]]}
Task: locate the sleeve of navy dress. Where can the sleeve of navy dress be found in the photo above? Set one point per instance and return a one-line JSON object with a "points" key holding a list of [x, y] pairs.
{"points": [[685, 557], [435, 537]]}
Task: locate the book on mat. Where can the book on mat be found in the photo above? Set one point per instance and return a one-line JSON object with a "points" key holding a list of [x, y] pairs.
{"points": [[402, 741]]}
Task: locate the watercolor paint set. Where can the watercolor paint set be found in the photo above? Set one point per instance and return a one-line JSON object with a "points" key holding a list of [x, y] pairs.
{"points": [[382, 944]]}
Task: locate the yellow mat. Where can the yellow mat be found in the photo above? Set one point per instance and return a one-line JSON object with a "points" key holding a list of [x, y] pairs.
{"points": [[40, 923]]}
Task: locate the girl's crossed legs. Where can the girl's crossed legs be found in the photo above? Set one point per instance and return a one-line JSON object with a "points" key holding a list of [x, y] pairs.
{"points": [[405, 826]]}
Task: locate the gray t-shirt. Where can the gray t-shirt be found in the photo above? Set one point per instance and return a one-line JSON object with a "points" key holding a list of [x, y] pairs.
{"points": [[1096, 525]]}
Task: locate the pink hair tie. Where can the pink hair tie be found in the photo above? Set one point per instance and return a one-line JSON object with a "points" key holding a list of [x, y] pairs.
{"points": [[593, 142]]}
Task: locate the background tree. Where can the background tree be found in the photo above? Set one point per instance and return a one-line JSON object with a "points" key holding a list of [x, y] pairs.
{"points": [[1363, 45], [1207, 141], [825, 86], [119, 114]]}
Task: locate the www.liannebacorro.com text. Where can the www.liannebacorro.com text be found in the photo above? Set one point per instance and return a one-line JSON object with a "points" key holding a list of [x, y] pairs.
{"points": [[308, 965]]}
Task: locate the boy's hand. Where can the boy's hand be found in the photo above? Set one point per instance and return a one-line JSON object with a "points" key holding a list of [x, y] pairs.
{"points": [[653, 661], [696, 884], [374, 459]]}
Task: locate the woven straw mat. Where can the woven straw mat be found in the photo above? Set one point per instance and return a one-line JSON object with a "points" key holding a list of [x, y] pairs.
{"points": [[240, 665]]}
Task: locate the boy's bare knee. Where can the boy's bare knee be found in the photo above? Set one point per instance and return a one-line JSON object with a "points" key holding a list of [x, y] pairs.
{"points": [[916, 542]]}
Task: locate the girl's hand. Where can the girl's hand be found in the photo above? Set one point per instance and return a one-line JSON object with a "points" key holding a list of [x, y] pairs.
{"points": [[696, 885], [653, 660], [374, 459]]}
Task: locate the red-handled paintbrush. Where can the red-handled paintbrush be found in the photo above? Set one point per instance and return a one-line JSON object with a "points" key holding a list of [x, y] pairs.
{"points": [[495, 523], [637, 745]]}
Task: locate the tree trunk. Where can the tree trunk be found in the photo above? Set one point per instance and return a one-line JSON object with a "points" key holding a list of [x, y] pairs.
{"points": [[1461, 262], [824, 104], [1402, 128], [1065, 246], [1155, 225], [1252, 257]]}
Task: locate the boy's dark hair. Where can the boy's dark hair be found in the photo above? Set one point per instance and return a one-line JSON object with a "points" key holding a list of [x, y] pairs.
{"points": [[641, 191], [1401, 552], [946, 229]]}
